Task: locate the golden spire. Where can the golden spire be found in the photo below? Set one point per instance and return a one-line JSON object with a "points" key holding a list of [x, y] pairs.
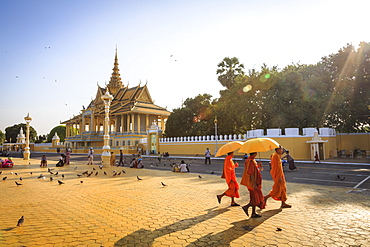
{"points": [[115, 82]]}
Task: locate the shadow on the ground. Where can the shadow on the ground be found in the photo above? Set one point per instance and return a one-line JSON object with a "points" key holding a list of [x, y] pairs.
{"points": [[145, 237], [238, 229]]}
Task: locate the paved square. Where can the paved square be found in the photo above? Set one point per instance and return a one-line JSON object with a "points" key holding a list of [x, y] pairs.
{"points": [[107, 210]]}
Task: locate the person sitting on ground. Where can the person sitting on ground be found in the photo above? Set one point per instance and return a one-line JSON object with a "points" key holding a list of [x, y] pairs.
{"points": [[183, 167], [133, 163], [175, 167], [60, 162], [44, 162], [140, 163]]}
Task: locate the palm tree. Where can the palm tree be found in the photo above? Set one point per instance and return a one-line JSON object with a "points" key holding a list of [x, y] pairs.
{"points": [[228, 70]]}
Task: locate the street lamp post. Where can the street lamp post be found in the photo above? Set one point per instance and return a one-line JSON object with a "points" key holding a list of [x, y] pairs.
{"points": [[26, 153], [216, 137], [105, 156]]}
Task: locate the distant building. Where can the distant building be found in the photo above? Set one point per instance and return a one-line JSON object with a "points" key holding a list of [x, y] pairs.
{"points": [[132, 113]]}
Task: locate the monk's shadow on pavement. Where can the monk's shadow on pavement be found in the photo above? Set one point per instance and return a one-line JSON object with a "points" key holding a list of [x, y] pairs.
{"points": [[144, 237], [238, 229]]}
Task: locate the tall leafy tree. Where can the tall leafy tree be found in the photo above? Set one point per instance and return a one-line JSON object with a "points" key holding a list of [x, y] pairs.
{"points": [[228, 70], [12, 132], [60, 130], [2, 136]]}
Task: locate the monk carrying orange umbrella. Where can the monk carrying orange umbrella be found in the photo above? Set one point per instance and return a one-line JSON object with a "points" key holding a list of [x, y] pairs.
{"points": [[278, 191]]}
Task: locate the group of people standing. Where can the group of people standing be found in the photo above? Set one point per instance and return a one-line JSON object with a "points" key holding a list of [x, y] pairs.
{"points": [[252, 179]]}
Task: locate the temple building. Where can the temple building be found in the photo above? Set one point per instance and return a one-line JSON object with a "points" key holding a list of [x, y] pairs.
{"points": [[132, 113]]}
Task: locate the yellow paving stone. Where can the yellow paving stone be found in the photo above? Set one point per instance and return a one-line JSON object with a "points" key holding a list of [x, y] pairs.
{"points": [[122, 211]]}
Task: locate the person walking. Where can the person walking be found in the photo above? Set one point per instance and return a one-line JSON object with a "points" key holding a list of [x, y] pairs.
{"points": [[208, 156], [68, 156], [290, 160], [252, 179], [229, 176], [121, 163], [316, 157], [90, 156], [278, 191]]}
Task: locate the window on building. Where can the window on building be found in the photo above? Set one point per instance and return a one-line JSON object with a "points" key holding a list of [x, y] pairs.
{"points": [[128, 143], [123, 143]]}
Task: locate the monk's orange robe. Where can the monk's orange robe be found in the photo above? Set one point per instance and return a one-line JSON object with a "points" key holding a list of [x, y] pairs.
{"points": [[278, 191], [253, 180], [229, 176]]}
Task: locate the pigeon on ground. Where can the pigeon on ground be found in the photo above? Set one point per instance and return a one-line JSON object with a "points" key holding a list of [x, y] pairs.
{"points": [[40, 176], [115, 174], [212, 172], [81, 182], [88, 175], [1, 172], [341, 179], [11, 172], [51, 178], [75, 168], [21, 178], [4, 178], [138, 178], [199, 176], [101, 167], [123, 171], [85, 172], [56, 174], [60, 182], [51, 173], [62, 175], [278, 229], [16, 173], [31, 173], [119, 174], [79, 175], [94, 169], [114, 171], [20, 221], [96, 174], [105, 173], [163, 184], [338, 176], [17, 183]]}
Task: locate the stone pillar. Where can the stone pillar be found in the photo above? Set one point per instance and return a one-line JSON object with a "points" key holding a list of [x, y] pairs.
{"points": [[133, 122], [138, 123], [105, 157], [128, 122], [147, 121], [27, 153]]}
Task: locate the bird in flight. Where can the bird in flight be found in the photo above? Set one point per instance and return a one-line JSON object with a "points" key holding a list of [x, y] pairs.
{"points": [[17, 183], [60, 182]]}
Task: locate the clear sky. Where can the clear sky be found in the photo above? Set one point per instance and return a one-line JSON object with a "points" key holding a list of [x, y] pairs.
{"points": [[53, 53]]}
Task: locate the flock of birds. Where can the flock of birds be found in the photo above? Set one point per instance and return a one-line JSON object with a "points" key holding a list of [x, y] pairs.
{"points": [[55, 174]]}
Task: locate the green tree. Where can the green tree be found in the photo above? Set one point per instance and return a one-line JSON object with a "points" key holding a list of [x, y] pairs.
{"points": [[228, 70], [61, 131], [2, 136], [12, 132]]}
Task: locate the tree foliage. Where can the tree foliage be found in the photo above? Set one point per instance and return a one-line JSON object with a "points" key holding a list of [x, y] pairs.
{"points": [[335, 93], [2, 136], [12, 132], [61, 130], [228, 70]]}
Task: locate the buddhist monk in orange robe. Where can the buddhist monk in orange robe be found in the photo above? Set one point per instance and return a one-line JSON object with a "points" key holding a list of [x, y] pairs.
{"points": [[278, 191], [253, 180], [229, 176]]}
